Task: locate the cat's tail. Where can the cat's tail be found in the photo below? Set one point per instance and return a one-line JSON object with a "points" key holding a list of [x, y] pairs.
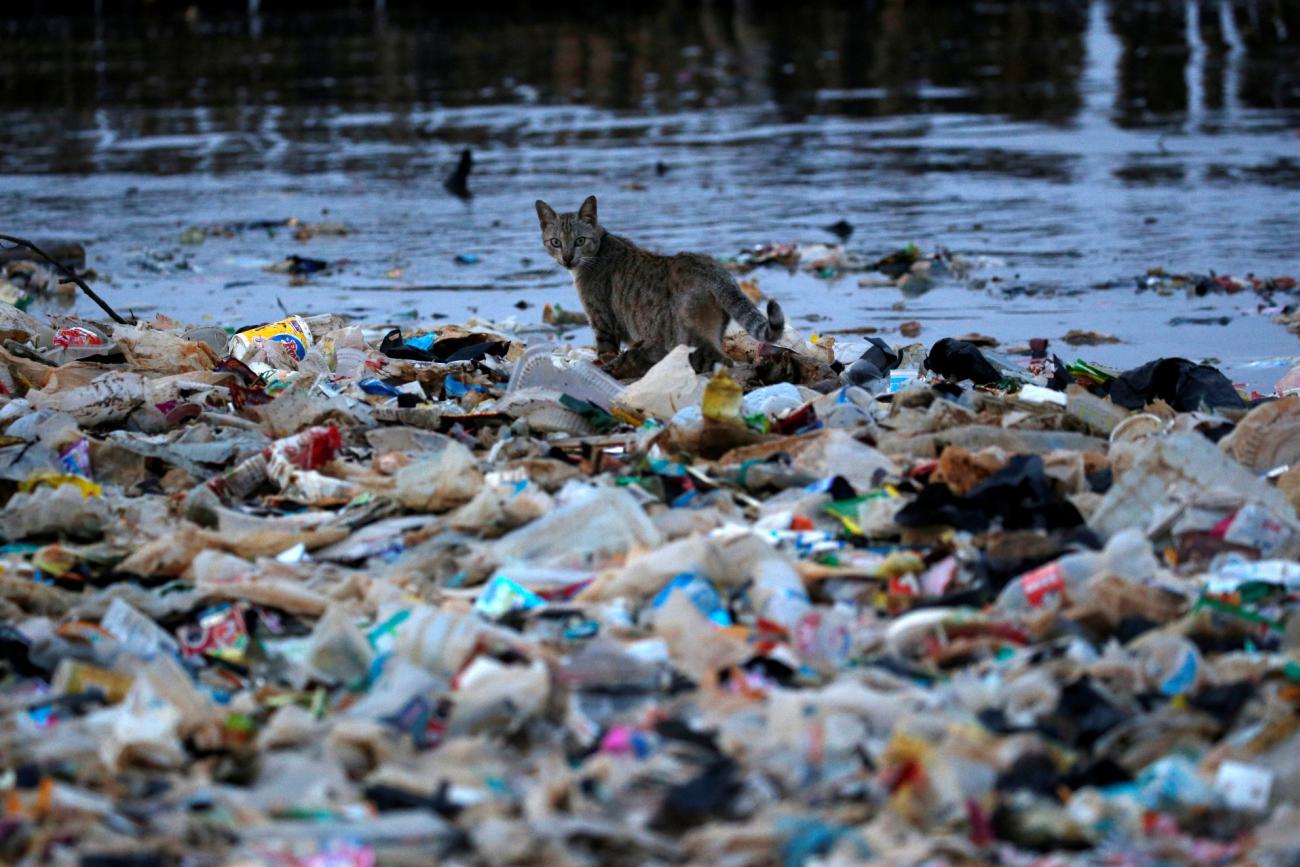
{"points": [[738, 306]]}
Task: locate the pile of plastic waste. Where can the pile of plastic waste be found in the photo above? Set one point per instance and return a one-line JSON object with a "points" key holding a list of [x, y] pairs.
{"points": [[311, 593]]}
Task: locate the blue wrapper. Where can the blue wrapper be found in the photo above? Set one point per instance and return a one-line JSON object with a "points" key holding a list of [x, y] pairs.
{"points": [[702, 594]]}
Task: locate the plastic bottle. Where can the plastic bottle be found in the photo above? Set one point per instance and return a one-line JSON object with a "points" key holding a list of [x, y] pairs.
{"points": [[137, 632], [779, 594], [1128, 555], [307, 450], [1057, 583], [349, 361], [722, 397], [338, 652], [1171, 663], [768, 474], [604, 664], [824, 638], [438, 641], [772, 400]]}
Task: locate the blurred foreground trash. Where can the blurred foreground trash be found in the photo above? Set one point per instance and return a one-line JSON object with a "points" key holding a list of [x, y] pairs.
{"points": [[309, 592]]}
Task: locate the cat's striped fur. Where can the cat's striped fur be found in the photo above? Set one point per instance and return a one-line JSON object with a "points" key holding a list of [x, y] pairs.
{"points": [[646, 301]]}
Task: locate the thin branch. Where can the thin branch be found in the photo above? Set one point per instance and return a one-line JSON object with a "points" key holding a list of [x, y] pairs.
{"points": [[70, 274]]}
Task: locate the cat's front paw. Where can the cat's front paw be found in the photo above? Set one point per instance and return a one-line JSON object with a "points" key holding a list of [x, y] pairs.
{"points": [[705, 358], [628, 364]]}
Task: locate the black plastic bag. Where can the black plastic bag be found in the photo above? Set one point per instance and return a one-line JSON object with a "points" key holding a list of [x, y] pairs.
{"points": [[467, 348], [958, 360], [1182, 384], [1019, 496], [393, 347], [710, 793], [874, 364], [1082, 715]]}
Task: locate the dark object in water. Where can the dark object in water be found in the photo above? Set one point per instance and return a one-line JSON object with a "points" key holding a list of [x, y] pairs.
{"points": [[899, 262], [841, 229], [70, 254], [661, 168], [1201, 320], [68, 273], [300, 265], [457, 182]]}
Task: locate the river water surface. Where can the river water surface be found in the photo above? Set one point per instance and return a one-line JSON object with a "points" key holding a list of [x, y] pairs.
{"points": [[1069, 146]]}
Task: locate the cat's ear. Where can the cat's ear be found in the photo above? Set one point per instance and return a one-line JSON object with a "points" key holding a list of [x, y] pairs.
{"points": [[545, 213], [587, 213]]}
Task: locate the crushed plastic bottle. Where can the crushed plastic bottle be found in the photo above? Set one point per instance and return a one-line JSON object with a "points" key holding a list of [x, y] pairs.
{"points": [[1067, 580], [722, 398], [450, 596]]}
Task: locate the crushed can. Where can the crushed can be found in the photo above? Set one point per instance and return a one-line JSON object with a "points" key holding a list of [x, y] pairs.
{"points": [[292, 333], [220, 633], [77, 336]]}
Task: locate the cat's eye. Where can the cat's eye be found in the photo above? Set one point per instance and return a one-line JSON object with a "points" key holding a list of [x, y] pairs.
{"points": [[580, 242], [555, 242]]}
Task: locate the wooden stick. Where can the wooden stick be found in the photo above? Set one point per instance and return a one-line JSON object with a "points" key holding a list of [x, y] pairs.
{"points": [[70, 274]]}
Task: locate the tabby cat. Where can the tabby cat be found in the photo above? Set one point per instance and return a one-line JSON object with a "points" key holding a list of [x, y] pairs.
{"points": [[650, 302]]}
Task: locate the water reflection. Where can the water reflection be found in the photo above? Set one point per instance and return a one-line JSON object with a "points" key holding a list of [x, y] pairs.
{"points": [[138, 90], [1078, 142]]}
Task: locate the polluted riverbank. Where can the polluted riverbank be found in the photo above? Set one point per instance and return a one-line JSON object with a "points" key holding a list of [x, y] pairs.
{"points": [[1079, 144], [326, 540], [318, 592]]}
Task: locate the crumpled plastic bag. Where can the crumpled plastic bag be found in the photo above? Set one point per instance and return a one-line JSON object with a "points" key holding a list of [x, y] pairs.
{"points": [[667, 387], [148, 348], [492, 696], [296, 408], [142, 729], [604, 523], [824, 454], [1268, 437], [168, 555], [20, 326], [502, 505], [446, 476], [1019, 494], [57, 511], [111, 397], [266, 583]]}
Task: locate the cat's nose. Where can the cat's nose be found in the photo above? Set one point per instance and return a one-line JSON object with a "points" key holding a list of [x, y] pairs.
{"points": [[568, 260]]}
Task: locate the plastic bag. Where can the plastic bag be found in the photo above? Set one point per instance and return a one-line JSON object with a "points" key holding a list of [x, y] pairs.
{"points": [[586, 532], [447, 477], [667, 387]]}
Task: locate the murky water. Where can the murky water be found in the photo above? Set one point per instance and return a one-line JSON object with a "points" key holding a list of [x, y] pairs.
{"points": [[1079, 144]]}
